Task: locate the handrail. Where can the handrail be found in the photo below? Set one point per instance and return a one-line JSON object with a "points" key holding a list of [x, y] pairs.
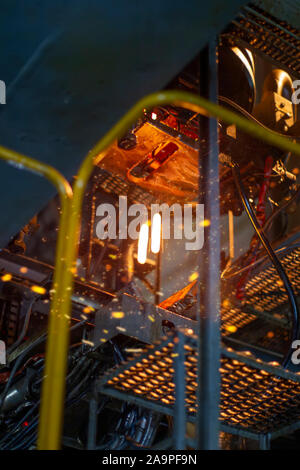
{"points": [[56, 322], [51, 413]]}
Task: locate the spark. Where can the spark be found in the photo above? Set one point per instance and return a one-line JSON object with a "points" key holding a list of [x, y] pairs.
{"points": [[88, 309], [89, 343], [205, 223], [120, 328], [38, 289], [226, 303], [193, 277], [133, 350], [117, 314], [231, 328]]}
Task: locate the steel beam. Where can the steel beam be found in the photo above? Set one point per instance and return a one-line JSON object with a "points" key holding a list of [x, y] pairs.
{"points": [[209, 260]]}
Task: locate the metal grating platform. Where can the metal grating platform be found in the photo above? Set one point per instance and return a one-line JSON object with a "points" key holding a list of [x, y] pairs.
{"points": [[276, 40], [256, 397], [266, 291], [263, 317]]}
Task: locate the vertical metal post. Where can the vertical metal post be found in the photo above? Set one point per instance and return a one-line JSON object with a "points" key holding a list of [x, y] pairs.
{"points": [[179, 430], [209, 261], [264, 442], [92, 427]]}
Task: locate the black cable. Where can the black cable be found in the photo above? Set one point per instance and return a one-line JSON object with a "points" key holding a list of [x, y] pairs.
{"points": [[283, 206], [265, 227], [7, 441], [273, 257], [10, 435], [252, 118], [23, 435], [29, 440], [16, 367], [19, 360]]}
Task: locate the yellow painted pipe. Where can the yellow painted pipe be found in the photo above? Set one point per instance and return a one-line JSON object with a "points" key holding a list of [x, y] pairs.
{"points": [[57, 322], [51, 413]]}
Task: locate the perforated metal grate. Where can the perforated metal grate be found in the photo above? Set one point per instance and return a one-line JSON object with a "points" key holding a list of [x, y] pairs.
{"points": [[256, 397], [266, 290], [275, 39], [233, 319], [263, 317]]}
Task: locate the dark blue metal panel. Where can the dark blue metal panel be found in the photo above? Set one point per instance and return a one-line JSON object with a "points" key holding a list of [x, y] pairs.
{"points": [[73, 67]]}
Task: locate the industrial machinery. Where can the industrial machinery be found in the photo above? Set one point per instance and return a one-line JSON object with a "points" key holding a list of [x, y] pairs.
{"points": [[135, 311]]}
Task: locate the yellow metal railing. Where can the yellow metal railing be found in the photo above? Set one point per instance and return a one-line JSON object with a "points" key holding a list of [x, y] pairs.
{"points": [[51, 413], [58, 322]]}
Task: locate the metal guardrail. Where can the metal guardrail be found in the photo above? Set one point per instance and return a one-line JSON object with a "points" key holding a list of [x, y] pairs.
{"points": [[51, 413], [57, 321]]}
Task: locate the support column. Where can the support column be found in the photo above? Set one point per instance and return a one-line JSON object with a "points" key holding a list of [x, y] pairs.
{"points": [[209, 260]]}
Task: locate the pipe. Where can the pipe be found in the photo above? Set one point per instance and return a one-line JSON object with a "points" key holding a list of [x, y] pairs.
{"points": [[57, 321], [208, 295]]}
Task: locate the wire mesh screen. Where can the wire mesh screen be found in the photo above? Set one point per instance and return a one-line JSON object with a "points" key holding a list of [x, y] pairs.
{"points": [[275, 39], [263, 316], [256, 397]]}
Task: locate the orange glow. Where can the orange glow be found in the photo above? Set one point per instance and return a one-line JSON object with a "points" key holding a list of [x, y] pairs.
{"points": [[38, 290], [88, 309], [193, 277], [156, 233], [143, 243], [6, 277], [205, 223], [117, 314], [231, 328]]}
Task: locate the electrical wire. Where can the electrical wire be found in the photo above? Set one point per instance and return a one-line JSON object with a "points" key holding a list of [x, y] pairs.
{"points": [[252, 118], [16, 426], [27, 435], [21, 357], [283, 206], [265, 227], [273, 257]]}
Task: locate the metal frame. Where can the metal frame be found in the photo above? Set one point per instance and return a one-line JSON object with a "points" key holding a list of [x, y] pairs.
{"points": [[104, 386], [51, 414], [208, 298]]}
